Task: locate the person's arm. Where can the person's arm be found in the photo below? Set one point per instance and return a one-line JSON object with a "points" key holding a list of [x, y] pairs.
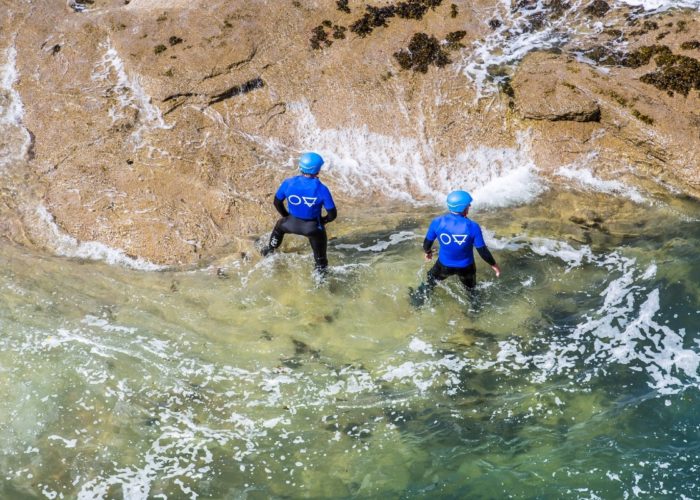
{"points": [[428, 248], [329, 205], [486, 255], [279, 205], [330, 216], [430, 237], [484, 251]]}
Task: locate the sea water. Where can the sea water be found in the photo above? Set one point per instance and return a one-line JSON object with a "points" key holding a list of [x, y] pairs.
{"points": [[575, 374]]}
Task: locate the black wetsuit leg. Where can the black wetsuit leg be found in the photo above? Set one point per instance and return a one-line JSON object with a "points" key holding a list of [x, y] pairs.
{"points": [[439, 272], [309, 228], [467, 275], [319, 245]]}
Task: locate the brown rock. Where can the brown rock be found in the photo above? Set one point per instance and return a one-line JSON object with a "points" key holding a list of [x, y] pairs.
{"points": [[543, 91]]}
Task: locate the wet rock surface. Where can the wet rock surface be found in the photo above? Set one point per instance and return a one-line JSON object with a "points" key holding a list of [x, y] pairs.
{"points": [[544, 91], [179, 119]]}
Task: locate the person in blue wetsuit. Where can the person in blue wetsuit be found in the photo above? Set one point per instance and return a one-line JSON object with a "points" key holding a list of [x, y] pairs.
{"points": [[306, 198], [458, 236]]}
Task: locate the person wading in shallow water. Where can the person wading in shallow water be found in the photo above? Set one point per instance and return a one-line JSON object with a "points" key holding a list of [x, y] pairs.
{"points": [[458, 235], [306, 196]]}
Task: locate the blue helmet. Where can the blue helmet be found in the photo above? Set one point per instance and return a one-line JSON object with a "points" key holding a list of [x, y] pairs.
{"points": [[458, 201], [310, 163]]}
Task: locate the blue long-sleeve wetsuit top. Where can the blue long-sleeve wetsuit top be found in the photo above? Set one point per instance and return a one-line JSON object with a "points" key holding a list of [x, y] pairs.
{"points": [[458, 236], [305, 196]]}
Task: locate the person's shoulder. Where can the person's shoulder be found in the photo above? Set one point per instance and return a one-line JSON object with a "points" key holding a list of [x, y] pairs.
{"points": [[439, 219], [473, 224]]}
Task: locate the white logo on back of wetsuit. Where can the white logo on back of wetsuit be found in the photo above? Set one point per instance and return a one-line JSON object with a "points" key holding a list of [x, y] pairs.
{"points": [[297, 200], [446, 239]]}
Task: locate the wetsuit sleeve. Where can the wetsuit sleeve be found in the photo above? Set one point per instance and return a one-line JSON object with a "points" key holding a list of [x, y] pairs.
{"points": [[279, 205], [330, 216], [281, 193], [430, 237], [327, 200], [486, 255], [478, 238]]}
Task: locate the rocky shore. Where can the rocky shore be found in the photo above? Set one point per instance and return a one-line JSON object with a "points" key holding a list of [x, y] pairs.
{"points": [[164, 127]]}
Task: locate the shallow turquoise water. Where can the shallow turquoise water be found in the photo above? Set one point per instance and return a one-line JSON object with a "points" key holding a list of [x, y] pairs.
{"points": [[573, 375]]}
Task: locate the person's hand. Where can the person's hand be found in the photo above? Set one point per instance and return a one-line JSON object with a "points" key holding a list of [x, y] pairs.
{"points": [[429, 256], [496, 270]]}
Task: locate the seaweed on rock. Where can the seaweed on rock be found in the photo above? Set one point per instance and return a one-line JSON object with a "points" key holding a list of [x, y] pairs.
{"points": [[690, 45], [453, 40], [423, 50], [674, 73], [342, 5], [597, 8], [319, 38], [376, 17]]}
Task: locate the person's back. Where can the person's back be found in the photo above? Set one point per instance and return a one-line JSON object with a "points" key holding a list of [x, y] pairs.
{"points": [[306, 198], [458, 236]]}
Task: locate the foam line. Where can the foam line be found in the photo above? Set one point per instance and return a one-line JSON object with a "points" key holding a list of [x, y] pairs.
{"points": [[405, 169], [129, 94], [67, 246]]}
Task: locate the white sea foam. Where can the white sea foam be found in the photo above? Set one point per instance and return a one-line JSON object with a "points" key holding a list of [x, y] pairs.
{"points": [[514, 38], [622, 332], [129, 93], [562, 250], [16, 140], [67, 246], [11, 107], [662, 5], [583, 177], [380, 246], [403, 168], [496, 177]]}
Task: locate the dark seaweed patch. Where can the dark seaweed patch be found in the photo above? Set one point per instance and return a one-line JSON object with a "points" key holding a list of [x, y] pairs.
{"points": [[674, 73], [614, 33], [374, 17], [159, 49], [643, 55], [319, 38], [174, 40], [690, 45], [597, 8], [557, 8], [339, 32], [342, 5], [495, 23], [453, 40], [642, 117], [423, 50], [377, 17], [453, 11]]}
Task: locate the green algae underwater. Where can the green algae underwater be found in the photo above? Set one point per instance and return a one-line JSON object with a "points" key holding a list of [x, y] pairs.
{"points": [[573, 375]]}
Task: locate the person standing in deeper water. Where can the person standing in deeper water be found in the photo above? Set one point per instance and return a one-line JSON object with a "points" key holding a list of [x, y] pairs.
{"points": [[458, 236], [306, 198]]}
